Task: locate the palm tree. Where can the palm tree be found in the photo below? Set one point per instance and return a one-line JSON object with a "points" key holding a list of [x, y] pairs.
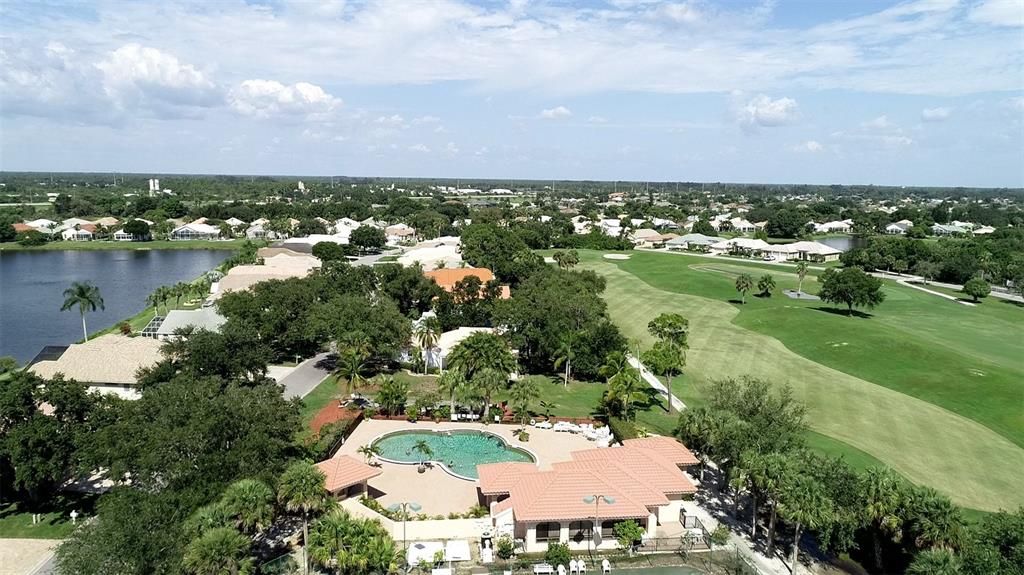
{"points": [[744, 283], [523, 393], [208, 517], [935, 562], [427, 333], [624, 387], [424, 450], [548, 407], [219, 551], [87, 297], [801, 273], [251, 503], [302, 489], [565, 354], [352, 546], [488, 381], [451, 383], [482, 350], [368, 451], [614, 364], [353, 351], [934, 520], [803, 503], [766, 284], [883, 499]]}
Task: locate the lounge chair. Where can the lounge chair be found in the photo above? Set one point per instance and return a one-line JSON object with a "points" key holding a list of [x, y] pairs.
{"points": [[582, 566], [572, 566], [606, 567]]}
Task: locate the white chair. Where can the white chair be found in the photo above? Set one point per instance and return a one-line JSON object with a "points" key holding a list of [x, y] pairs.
{"points": [[561, 569], [606, 567], [582, 566], [572, 566]]}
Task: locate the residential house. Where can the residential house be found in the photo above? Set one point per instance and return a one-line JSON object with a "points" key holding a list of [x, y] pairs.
{"points": [[742, 225], [641, 236], [108, 364], [643, 481], [107, 222], [399, 233], [448, 277], [834, 227], [43, 225], [234, 222], [983, 230], [947, 230], [177, 319], [345, 476], [195, 231], [899, 228], [79, 233], [693, 242], [122, 236]]}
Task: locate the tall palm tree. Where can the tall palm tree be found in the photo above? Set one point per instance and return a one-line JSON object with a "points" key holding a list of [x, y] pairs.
{"points": [[489, 381], [624, 387], [302, 489], [744, 283], [208, 517], [451, 383], [801, 273], [805, 505], [427, 333], [564, 354], [935, 562], [86, 297], [614, 364], [219, 551], [883, 497], [935, 521], [251, 503]]}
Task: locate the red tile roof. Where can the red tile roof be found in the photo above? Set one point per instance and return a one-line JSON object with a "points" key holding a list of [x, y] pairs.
{"points": [[667, 447], [448, 277], [344, 471], [636, 476]]}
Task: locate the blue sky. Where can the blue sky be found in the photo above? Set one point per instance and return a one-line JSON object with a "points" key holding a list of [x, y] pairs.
{"points": [[927, 92]]}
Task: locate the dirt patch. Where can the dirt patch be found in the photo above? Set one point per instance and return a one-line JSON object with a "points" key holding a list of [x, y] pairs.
{"points": [[616, 256]]}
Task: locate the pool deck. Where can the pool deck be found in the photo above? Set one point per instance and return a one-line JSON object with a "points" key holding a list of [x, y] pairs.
{"points": [[438, 492]]}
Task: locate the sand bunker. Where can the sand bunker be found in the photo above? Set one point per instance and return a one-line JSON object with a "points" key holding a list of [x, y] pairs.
{"points": [[616, 257]]}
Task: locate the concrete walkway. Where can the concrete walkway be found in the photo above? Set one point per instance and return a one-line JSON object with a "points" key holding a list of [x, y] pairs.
{"points": [[654, 382], [306, 376], [27, 556]]}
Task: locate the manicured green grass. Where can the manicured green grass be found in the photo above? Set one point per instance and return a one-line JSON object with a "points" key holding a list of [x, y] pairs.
{"points": [[870, 394], [16, 522], [112, 245]]}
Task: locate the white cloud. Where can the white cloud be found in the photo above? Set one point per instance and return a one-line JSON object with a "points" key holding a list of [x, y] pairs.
{"points": [[879, 123], [764, 111], [421, 148], [133, 74], [935, 114], [809, 146], [451, 149], [482, 151], [392, 121], [597, 120], [998, 12], [425, 120], [269, 98], [555, 113]]}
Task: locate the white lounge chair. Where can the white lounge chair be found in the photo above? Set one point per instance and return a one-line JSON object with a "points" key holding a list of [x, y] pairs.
{"points": [[572, 566], [606, 567], [543, 569], [582, 566]]}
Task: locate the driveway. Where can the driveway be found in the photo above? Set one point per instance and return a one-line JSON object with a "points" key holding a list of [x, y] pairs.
{"points": [[307, 375]]}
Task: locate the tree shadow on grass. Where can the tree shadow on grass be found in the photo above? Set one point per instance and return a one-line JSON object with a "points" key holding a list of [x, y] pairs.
{"points": [[736, 301], [1013, 303], [651, 398], [843, 312]]}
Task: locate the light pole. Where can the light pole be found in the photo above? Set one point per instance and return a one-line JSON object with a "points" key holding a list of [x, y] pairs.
{"points": [[404, 507], [596, 500]]}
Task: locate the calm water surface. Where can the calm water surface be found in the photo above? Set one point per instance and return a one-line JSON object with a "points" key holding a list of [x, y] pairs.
{"points": [[844, 243], [32, 286]]}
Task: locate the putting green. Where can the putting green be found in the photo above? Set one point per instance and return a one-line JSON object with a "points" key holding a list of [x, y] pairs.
{"points": [[928, 444]]}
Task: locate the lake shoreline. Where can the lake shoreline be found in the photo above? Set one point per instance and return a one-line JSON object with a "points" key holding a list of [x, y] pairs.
{"points": [[126, 246]]}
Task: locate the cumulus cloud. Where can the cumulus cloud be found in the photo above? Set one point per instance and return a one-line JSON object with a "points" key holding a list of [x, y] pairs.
{"points": [[270, 98], [451, 149], [935, 114], [998, 13], [421, 148], [134, 73], [425, 120], [555, 113], [763, 111]]}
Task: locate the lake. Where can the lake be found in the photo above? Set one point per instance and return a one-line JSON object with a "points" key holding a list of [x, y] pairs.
{"points": [[32, 286]]}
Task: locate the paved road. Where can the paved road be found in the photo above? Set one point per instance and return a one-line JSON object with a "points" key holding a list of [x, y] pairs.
{"points": [[307, 375], [654, 382]]}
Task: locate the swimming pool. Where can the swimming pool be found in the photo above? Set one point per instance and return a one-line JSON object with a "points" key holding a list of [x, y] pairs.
{"points": [[458, 451]]}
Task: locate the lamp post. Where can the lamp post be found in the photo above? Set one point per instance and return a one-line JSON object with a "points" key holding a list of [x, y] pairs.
{"points": [[596, 500], [404, 507]]}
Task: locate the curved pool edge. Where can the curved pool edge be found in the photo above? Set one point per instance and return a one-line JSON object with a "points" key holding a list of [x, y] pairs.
{"points": [[441, 464]]}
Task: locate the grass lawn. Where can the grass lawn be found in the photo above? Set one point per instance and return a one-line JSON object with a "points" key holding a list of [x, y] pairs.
{"points": [[925, 385], [112, 245], [16, 522], [331, 389]]}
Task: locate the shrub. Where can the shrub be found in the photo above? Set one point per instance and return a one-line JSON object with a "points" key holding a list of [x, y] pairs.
{"points": [[505, 549], [443, 413], [622, 429], [477, 511], [720, 536], [524, 436], [628, 534], [125, 328], [557, 553], [32, 238], [412, 414]]}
